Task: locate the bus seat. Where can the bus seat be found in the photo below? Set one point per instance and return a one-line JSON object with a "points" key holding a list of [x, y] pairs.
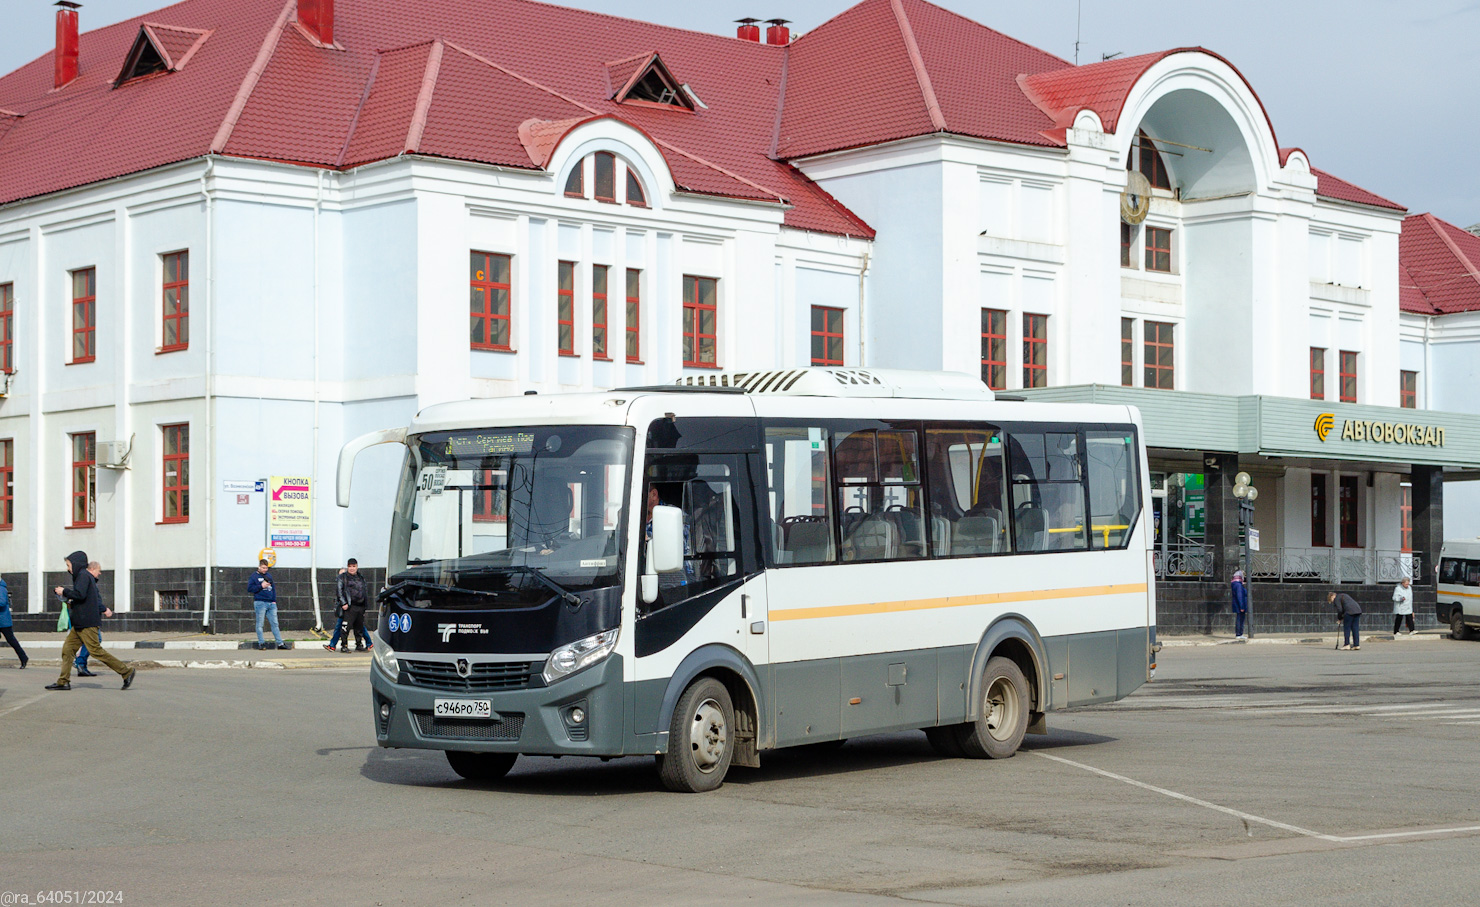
{"points": [[940, 532], [1030, 528], [910, 531], [874, 538], [976, 534], [808, 542]]}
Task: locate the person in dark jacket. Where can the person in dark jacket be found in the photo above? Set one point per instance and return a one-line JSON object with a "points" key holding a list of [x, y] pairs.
{"points": [[6, 623], [80, 662], [351, 599], [85, 608], [264, 602], [1349, 614], [1240, 604]]}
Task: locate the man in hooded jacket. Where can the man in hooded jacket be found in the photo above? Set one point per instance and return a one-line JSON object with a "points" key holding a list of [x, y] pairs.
{"points": [[85, 605]]}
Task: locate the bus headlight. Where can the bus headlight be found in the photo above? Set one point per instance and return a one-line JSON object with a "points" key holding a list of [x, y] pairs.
{"points": [[583, 653], [385, 656]]}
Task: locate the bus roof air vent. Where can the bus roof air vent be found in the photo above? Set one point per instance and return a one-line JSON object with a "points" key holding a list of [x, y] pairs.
{"points": [[846, 382]]}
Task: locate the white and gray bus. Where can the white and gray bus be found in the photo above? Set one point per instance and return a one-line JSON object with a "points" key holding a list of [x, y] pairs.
{"points": [[1458, 600], [749, 561]]}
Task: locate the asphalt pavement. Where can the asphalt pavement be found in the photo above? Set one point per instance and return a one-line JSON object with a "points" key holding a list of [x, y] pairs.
{"points": [[1287, 773]]}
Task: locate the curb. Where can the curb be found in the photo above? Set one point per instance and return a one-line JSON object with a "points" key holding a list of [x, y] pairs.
{"points": [[188, 644], [235, 664], [1294, 641]]}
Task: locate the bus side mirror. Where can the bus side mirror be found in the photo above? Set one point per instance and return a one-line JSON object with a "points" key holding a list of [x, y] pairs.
{"points": [[665, 551]]}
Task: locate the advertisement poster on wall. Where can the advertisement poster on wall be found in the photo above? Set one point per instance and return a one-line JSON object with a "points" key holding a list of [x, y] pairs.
{"points": [[289, 511]]}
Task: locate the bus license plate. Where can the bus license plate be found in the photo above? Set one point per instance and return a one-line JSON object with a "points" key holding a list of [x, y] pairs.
{"points": [[463, 708]]}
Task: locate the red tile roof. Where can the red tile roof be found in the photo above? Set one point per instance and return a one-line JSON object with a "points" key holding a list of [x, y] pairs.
{"points": [[1332, 187], [1438, 267]]}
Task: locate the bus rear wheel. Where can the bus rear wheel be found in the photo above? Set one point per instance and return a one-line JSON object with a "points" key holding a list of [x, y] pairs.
{"points": [[1002, 718], [1457, 624], [481, 766], [701, 739], [946, 740]]}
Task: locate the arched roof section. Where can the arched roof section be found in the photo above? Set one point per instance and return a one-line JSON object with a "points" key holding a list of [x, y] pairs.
{"points": [[558, 146]]}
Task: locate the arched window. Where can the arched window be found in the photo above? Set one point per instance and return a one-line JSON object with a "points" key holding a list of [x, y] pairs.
{"points": [[1146, 158], [575, 184], [606, 177], [635, 195]]}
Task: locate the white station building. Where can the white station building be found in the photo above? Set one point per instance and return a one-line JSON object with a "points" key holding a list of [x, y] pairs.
{"points": [[236, 233]]}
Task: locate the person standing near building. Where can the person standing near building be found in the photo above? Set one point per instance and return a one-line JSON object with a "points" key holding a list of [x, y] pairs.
{"points": [[85, 609], [352, 600], [264, 602], [80, 663], [1403, 605], [6, 623], [1240, 604], [1349, 615]]}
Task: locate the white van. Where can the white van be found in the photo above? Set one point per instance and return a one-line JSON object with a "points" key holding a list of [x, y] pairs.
{"points": [[1459, 587]]}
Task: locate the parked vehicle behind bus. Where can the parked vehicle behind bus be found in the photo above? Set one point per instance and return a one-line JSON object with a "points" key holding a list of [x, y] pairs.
{"points": [[749, 561], [1459, 587]]}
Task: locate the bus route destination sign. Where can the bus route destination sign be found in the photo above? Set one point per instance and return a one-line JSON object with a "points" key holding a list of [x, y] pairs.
{"points": [[485, 444], [289, 511]]}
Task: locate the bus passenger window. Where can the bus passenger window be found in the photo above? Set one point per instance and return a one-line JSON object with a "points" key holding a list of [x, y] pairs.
{"points": [[1047, 495], [703, 488], [966, 489], [1114, 501], [1472, 577], [881, 512], [801, 519]]}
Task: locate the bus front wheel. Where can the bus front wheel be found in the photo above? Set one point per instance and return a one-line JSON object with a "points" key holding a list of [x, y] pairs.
{"points": [[701, 739], [481, 766], [1002, 719]]}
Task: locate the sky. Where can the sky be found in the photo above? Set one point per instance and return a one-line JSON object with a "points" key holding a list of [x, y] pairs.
{"points": [[1382, 93]]}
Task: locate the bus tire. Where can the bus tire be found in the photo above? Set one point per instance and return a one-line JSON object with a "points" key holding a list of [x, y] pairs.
{"points": [[1457, 623], [701, 739], [481, 766], [1003, 716], [946, 740]]}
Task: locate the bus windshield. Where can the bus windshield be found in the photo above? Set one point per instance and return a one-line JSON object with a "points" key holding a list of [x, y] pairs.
{"points": [[482, 509]]}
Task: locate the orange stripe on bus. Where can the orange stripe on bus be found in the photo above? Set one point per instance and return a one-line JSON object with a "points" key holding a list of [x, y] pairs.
{"points": [[954, 601]]}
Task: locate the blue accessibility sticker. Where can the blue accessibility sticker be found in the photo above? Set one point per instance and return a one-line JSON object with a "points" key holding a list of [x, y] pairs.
{"points": [[395, 622], [401, 622]]}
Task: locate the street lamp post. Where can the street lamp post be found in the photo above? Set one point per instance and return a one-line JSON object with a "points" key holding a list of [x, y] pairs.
{"points": [[1247, 494]]}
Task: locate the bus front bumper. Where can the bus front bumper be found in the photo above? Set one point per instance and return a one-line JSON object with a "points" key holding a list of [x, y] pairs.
{"points": [[535, 721]]}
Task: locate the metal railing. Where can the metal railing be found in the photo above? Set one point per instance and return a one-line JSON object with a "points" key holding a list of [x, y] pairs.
{"points": [[1294, 565]]}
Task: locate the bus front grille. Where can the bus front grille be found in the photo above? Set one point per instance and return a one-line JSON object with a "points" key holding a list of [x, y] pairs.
{"points": [[484, 677], [507, 729]]}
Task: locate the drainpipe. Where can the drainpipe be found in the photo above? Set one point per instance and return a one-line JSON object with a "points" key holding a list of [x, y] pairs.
{"points": [[862, 322], [1428, 322], [313, 550], [207, 192]]}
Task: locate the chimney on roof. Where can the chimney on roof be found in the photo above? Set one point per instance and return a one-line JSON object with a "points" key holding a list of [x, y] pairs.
{"points": [[778, 33], [317, 16], [748, 30], [65, 57]]}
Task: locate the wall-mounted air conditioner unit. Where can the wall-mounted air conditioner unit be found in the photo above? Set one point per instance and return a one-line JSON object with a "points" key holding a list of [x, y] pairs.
{"points": [[114, 454]]}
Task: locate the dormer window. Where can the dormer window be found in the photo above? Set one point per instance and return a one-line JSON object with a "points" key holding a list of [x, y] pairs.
{"points": [[157, 49], [635, 195], [646, 80], [603, 170]]}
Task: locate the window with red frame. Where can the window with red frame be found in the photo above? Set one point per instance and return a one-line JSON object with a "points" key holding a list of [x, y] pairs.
{"points": [[1347, 512], [994, 349], [606, 176], [491, 497], [1405, 517], [1317, 373], [7, 328], [575, 184], [1127, 352], [84, 480], [1159, 249], [7, 484], [598, 311], [635, 195], [85, 315], [1348, 377], [176, 473], [1159, 355], [488, 280], [176, 302], [634, 315], [1408, 389], [1127, 243], [1320, 520], [827, 336], [1035, 350], [700, 318], [1150, 162], [565, 309]]}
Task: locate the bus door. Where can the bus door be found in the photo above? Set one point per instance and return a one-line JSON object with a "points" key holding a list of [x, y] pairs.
{"points": [[720, 596]]}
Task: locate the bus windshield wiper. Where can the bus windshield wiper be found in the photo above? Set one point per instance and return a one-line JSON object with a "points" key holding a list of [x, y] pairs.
{"points": [[538, 573], [433, 587]]}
